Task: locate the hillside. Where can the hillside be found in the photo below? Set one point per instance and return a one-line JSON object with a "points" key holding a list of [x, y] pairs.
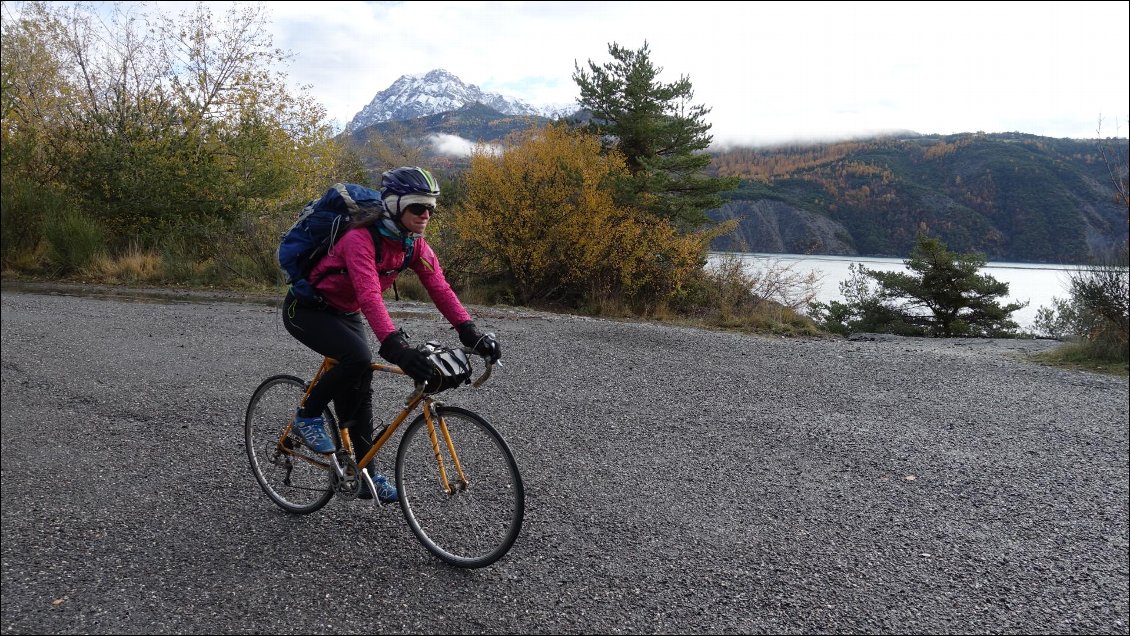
{"points": [[1012, 197]]}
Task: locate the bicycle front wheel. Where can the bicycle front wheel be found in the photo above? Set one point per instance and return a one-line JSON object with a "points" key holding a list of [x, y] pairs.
{"points": [[294, 477], [470, 512]]}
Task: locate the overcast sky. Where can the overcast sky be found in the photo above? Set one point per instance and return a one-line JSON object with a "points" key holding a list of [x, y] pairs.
{"points": [[771, 71]]}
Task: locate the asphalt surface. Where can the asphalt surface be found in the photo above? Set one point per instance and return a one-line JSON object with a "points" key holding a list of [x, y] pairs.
{"points": [[678, 481]]}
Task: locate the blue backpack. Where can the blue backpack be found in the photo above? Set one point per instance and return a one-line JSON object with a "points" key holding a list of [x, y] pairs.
{"points": [[320, 224]]}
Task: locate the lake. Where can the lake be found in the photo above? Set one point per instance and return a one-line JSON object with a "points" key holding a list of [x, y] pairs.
{"points": [[1036, 283]]}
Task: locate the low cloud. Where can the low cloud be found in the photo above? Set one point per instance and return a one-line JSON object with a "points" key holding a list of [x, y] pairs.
{"points": [[456, 146]]}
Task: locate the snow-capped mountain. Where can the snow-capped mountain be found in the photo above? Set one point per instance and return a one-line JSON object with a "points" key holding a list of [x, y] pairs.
{"points": [[414, 96]]}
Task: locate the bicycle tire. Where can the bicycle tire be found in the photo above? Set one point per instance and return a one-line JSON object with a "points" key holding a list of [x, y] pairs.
{"points": [[472, 527], [290, 479]]}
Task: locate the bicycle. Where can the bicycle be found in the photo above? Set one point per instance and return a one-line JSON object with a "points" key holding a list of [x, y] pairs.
{"points": [[458, 482]]}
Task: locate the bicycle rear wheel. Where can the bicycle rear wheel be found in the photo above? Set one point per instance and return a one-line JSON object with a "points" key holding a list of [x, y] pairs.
{"points": [[478, 521], [294, 477]]}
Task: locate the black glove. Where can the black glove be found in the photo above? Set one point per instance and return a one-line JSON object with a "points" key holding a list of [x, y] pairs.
{"points": [[485, 345], [414, 362]]}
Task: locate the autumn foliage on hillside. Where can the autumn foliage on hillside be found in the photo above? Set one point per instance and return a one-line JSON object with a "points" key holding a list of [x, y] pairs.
{"points": [[1010, 196], [766, 164], [795, 161]]}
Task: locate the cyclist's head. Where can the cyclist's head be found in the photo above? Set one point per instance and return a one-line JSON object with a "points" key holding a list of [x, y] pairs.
{"points": [[407, 186]]}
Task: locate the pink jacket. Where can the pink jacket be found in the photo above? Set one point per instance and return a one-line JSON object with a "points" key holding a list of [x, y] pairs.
{"points": [[360, 286]]}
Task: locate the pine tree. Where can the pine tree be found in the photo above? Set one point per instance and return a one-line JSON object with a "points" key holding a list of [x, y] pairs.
{"points": [[960, 300], [661, 135], [942, 294]]}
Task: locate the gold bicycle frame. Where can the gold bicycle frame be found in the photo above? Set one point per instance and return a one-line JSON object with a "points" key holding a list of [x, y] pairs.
{"points": [[414, 400]]}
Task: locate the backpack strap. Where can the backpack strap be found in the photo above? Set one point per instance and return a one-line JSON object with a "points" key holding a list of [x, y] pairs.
{"points": [[316, 279], [350, 204], [375, 235], [374, 232]]}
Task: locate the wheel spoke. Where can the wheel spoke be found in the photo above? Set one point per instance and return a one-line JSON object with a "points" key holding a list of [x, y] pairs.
{"points": [[292, 475], [478, 521]]}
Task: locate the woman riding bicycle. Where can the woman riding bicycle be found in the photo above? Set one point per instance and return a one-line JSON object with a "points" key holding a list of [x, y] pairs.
{"points": [[351, 278]]}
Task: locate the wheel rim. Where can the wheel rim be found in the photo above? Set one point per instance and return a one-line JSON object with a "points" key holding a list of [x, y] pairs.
{"points": [[289, 476], [471, 527]]}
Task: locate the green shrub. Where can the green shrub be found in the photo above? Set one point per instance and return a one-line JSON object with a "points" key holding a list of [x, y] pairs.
{"points": [[1094, 317], [74, 240], [731, 297], [25, 207], [246, 253], [1064, 319], [1102, 355]]}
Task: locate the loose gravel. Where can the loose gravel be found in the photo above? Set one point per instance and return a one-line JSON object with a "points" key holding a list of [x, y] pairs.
{"points": [[678, 480]]}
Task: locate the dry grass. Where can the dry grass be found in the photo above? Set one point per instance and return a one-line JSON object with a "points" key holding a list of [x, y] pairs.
{"points": [[134, 267], [1089, 355]]}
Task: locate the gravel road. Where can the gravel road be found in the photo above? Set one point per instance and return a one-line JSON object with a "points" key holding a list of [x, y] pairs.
{"points": [[678, 480]]}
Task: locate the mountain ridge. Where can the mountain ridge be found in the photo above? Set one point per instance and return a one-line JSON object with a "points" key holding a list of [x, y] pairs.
{"points": [[438, 91], [1010, 196]]}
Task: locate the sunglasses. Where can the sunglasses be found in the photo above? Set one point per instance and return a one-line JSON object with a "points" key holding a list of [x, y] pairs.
{"points": [[418, 209]]}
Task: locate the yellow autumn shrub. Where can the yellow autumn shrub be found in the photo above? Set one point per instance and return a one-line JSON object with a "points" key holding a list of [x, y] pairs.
{"points": [[539, 218]]}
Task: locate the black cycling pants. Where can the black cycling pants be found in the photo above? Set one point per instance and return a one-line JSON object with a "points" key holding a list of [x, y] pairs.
{"points": [[344, 338]]}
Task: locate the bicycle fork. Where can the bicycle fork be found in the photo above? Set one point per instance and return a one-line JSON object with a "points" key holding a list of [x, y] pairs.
{"points": [[431, 417]]}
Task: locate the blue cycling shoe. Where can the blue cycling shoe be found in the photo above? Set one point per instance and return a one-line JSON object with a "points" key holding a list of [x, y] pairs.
{"points": [[313, 431], [386, 492]]}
